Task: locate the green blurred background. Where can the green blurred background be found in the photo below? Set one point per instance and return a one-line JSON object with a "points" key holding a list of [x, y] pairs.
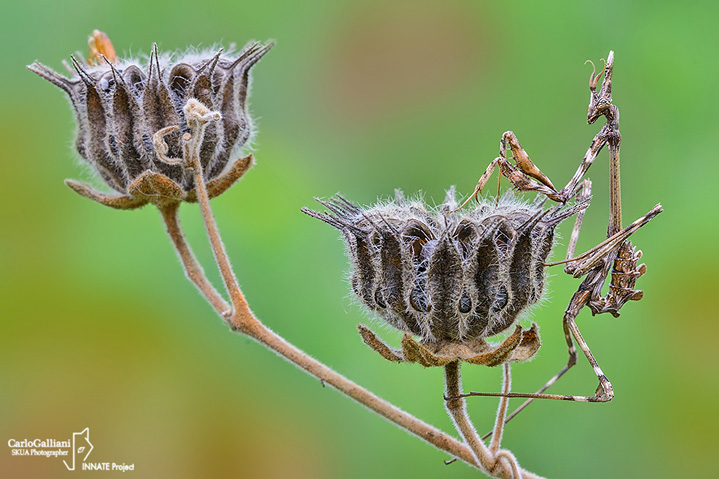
{"points": [[99, 328]]}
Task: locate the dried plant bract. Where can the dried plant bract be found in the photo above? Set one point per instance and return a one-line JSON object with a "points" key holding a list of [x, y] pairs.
{"points": [[450, 277], [131, 119]]}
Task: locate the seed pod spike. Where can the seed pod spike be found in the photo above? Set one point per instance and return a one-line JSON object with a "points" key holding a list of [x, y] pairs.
{"points": [[154, 61], [348, 204], [334, 208], [323, 217], [259, 53], [369, 220], [533, 220], [52, 76], [339, 222], [150, 61], [212, 63], [341, 215], [84, 76], [119, 110], [392, 228], [115, 74], [349, 210], [244, 55]]}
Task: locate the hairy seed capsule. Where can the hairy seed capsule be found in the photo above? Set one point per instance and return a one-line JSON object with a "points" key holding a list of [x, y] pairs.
{"points": [[120, 106], [445, 275]]}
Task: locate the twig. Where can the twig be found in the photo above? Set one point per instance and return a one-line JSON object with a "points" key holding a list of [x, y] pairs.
{"points": [[489, 462], [244, 321], [502, 410], [263, 335], [266, 337], [241, 313], [457, 409], [416, 426], [193, 270], [198, 116]]}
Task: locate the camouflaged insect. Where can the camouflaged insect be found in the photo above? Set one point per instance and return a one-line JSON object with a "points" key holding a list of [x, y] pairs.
{"points": [[120, 108], [451, 278]]}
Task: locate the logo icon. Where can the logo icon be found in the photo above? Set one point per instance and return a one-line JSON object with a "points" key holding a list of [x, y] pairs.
{"points": [[81, 447]]}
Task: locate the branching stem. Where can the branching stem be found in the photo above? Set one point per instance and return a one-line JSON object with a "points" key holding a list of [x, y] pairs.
{"points": [[496, 463], [240, 310], [502, 411], [244, 321], [198, 116], [193, 270], [501, 465]]}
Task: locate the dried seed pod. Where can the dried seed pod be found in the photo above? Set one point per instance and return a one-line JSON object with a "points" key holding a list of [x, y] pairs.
{"points": [[120, 107], [442, 275]]}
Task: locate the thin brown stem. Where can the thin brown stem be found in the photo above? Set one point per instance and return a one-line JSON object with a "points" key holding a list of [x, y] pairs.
{"points": [[457, 409], [198, 116], [244, 321], [193, 270], [531, 400], [241, 311], [502, 410], [419, 428], [488, 462]]}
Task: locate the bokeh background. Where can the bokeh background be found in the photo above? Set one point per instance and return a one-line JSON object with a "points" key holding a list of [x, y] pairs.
{"points": [[99, 328]]}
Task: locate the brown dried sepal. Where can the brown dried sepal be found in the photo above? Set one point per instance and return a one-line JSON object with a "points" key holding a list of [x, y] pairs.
{"points": [[371, 340], [119, 202], [156, 188], [519, 346], [223, 182], [149, 187]]}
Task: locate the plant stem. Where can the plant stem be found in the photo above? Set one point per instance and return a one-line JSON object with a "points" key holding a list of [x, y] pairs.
{"points": [[456, 407], [239, 304], [244, 321], [193, 270], [488, 462], [392, 413], [502, 410]]}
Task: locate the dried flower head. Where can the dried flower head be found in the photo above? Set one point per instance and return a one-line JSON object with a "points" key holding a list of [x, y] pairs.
{"points": [[131, 119], [449, 277]]}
